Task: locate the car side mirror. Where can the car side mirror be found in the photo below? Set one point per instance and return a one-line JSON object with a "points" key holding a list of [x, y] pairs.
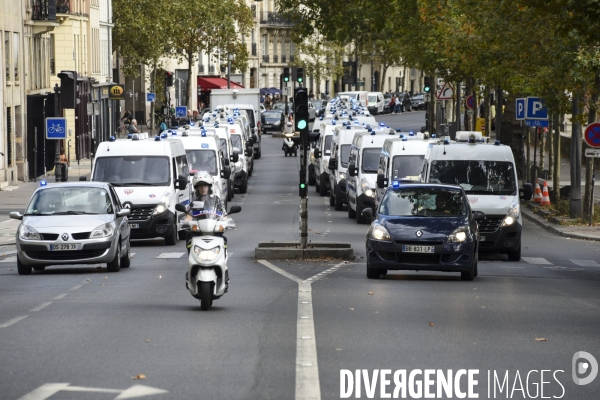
{"points": [[235, 157], [478, 215], [313, 136], [15, 215], [317, 153], [249, 152], [255, 138], [526, 192], [124, 212], [351, 169], [249, 143], [367, 213], [382, 181], [234, 210], [181, 182], [333, 163], [226, 172]]}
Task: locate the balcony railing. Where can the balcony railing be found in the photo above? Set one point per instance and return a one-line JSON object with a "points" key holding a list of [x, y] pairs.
{"points": [[291, 58], [211, 69], [201, 68], [63, 6], [254, 49], [52, 67], [265, 58], [283, 59], [43, 10], [274, 18], [275, 58]]}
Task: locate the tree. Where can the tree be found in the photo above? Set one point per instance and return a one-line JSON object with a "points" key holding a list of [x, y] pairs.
{"points": [[319, 58]]}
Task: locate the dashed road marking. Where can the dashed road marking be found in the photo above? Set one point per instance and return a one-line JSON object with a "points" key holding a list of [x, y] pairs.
{"points": [[536, 260], [76, 287], [585, 263], [9, 259], [61, 296], [41, 306], [13, 321], [170, 255]]}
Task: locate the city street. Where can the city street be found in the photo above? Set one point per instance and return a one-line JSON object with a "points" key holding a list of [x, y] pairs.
{"points": [[140, 333]]}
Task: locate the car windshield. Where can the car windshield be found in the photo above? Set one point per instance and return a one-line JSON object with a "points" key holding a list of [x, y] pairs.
{"points": [[423, 202], [136, 170], [236, 141], [407, 167], [476, 177], [418, 97], [370, 160], [272, 114], [70, 201], [345, 154], [328, 140], [202, 160]]}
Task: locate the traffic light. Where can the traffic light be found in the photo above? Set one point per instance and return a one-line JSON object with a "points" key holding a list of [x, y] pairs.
{"points": [[303, 189], [300, 75], [301, 109], [68, 89], [427, 85], [169, 79], [286, 74]]}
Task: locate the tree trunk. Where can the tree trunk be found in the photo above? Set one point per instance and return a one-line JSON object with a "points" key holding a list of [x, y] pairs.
{"points": [[190, 102], [575, 208], [556, 180], [499, 112], [589, 161], [382, 75], [550, 146], [486, 112]]}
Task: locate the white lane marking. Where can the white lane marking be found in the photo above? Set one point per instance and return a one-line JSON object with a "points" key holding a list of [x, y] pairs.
{"points": [[585, 263], [8, 252], [61, 296], [280, 271], [41, 306], [326, 272], [131, 255], [9, 259], [76, 287], [557, 268], [536, 260], [13, 321], [170, 255]]}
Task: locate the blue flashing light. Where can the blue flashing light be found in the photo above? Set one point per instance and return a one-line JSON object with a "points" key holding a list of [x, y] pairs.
{"points": [[344, 123], [404, 139], [203, 133], [157, 138], [216, 125], [174, 133], [398, 130], [43, 183], [129, 136], [372, 132], [135, 137], [395, 184], [356, 123], [214, 114], [497, 143], [112, 139], [411, 133], [348, 127], [447, 141], [163, 136], [433, 135], [333, 122]]}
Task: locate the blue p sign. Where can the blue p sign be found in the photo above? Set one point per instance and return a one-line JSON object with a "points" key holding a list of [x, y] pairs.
{"points": [[520, 109], [180, 112], [536, 109]]}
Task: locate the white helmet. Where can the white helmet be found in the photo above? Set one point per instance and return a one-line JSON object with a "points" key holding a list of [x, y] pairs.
{"points": [[202, 177]]}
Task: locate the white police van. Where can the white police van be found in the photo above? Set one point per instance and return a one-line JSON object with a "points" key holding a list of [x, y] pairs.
{"points": [[321, 155], [362, 171], [400, 159], [150, 176], [231, 158], [488, 174]]}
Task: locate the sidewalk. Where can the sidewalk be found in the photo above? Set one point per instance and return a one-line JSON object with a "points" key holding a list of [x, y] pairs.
{"points": [[15, 198], [534, 213]]}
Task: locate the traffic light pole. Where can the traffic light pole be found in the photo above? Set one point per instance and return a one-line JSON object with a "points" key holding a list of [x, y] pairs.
{"points": [[303, 200], [57, 164]]}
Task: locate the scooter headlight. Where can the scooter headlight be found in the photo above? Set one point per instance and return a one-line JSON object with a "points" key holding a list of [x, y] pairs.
{"points": [[512, 215], [207, 255]]}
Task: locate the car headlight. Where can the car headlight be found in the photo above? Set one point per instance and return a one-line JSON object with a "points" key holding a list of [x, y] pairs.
{"points": [[341, 175], [104, 230], [28, 233], [512, 215], [163, 203], [207, 255], [459, 235], [378, 232], [366, 189]]}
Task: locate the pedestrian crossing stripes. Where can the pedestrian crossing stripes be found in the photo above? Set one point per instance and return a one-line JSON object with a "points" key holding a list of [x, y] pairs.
{"points": [[585, 263], [536, 260]]}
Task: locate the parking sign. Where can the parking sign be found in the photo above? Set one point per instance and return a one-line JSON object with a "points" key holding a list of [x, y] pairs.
{"points": [[56, 128], [536, 109], [520, 109], [180, 112]]}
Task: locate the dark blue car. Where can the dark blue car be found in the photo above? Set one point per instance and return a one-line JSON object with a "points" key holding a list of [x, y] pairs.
{"points": [[421, 226]]}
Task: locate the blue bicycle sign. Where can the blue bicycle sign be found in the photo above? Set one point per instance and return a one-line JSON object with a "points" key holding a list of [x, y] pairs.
{"points": [[56, 128]]}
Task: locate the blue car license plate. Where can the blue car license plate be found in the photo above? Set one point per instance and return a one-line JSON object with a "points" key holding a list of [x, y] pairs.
{"points": [[418, 249], [65, 247]]}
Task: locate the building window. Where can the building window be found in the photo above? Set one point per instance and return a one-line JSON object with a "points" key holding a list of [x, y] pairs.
{"points": [[16, 55], [275, 45], [9, 156], [7, 56], [283, 40], [265, 44]]}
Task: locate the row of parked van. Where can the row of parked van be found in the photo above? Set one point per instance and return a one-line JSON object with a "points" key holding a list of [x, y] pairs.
{"points": [[354, 164], [153, 174]]}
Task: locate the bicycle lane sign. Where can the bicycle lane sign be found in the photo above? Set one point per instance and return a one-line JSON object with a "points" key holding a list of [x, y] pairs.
{"points": [[56, 128]]}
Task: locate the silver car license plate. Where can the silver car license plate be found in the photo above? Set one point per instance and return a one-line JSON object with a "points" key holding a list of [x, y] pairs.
{"points": [[65, 247], [418, 249], [134, 226]]}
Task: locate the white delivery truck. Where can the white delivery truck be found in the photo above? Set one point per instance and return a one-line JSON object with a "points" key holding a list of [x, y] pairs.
{"points": [[150, 176], [360, 96], [244, 100], [488, 174]]}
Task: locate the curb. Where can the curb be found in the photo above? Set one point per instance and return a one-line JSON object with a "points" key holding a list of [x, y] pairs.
{"points": [[549, 227], [290, 251]]}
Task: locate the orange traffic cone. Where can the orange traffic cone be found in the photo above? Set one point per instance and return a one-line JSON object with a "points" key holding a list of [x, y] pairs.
{"points": [[537, 197], [545, 195]]}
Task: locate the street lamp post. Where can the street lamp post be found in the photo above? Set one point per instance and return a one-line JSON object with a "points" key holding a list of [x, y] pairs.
{"points": [[229, 58]]}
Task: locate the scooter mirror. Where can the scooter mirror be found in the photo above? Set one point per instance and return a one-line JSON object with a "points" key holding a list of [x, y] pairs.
{"points": [[180, 207], [234, 210]]}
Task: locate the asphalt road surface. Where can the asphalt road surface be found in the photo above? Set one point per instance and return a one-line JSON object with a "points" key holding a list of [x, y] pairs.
{"points": [[79, 332]]}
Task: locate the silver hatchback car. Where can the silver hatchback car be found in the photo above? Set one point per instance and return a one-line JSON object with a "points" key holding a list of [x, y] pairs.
{"points": [[73, 223]]}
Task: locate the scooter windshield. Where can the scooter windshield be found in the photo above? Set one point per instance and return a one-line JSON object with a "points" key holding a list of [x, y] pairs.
{"points": [[205, 210]]}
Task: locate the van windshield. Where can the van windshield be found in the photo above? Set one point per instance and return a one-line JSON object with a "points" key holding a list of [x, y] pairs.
{"points": [[407, 167], [133, 170], [202, 160], [370, 160], [345, 155], [372, 99], [476, 177]]}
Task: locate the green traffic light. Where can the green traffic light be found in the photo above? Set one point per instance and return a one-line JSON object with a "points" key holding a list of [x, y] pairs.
{"points": [[301, 124], [426, 88], [302, 186]]}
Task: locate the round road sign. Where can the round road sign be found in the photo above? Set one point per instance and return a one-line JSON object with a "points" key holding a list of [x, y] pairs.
{"points": [[470, 102], [592, 135]]}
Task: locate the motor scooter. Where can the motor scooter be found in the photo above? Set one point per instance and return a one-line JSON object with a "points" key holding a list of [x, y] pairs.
{"points": [[289, 147], [207, 277]]}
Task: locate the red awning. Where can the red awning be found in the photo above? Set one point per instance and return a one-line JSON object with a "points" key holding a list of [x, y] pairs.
{"points": [[216, 83]]}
